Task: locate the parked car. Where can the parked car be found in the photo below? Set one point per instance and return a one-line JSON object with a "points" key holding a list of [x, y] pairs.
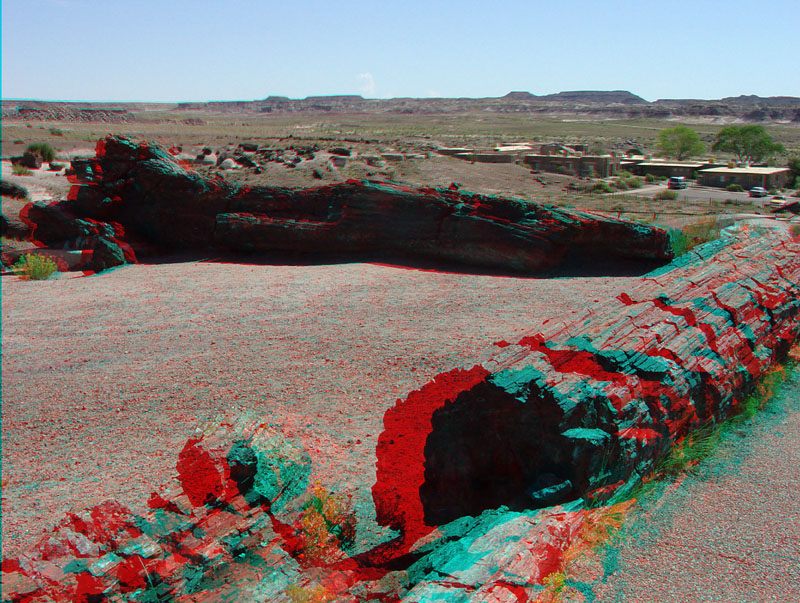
{"points": [[758, 191], [677, 182]]}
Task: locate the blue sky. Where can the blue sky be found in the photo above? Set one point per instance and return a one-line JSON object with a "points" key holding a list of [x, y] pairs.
{"points": [[173, 50]]}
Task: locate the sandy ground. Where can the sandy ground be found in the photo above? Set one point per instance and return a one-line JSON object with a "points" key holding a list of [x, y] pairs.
{"points": [[105, 377], [728, 533]]}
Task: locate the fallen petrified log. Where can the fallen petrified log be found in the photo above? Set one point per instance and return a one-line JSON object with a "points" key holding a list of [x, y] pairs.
{"points": [[572, 412], [168, 205], [576, 410]]}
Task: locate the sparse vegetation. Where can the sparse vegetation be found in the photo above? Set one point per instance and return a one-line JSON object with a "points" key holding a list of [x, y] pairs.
{"points": [[20, 170], [56, 132], [734, 188], [37, 267], [693, 235], [666, 195], [602, 187], [44, 150]]}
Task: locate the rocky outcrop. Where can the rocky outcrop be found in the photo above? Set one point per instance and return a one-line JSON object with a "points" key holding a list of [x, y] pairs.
{"points": [[575, 411], [157, 199]]}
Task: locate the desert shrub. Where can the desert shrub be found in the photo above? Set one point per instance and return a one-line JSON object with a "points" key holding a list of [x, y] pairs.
{"points": [[734, 188], [326, 525], [56, 132], [20, 170], [42, 148], [693, 235], [667, 195], [602, 187], [650, 178], [773, 191], [633, 182], [37, 267], [18, 141]]}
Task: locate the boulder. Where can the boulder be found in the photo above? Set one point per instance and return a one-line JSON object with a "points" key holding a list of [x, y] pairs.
{"points": [[340, 151], [227, 164], [248, 147], [245, 161], [15, 191], [30, 160]]}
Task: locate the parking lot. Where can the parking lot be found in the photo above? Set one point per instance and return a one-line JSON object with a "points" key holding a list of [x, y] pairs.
{"points": [[701, 193]]}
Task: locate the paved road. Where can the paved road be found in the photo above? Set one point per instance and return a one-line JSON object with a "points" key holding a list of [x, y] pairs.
{"points": [[730, 533]]}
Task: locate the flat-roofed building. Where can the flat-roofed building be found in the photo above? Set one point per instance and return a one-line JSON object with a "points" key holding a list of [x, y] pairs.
{"points": [[746, 177], [601, 166]]}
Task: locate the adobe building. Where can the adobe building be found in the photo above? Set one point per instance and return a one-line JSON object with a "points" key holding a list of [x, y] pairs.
{"points": [[601, 166], [746, 177]]}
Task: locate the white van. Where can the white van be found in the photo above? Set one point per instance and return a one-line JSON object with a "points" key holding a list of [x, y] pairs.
{"points": [[677, 182]]}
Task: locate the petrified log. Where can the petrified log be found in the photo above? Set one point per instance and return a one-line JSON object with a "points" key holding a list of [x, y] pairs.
{"points": [[245, 514], [153, 195], [568, 412]]}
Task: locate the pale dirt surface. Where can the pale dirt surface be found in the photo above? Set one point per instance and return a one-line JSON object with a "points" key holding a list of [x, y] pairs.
{"points": [[106, 377], [729, 533]]}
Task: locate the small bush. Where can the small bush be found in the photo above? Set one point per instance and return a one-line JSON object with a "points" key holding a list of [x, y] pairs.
{"points": [[650, 178], [667, 195], [20, 170], [42, 148], [18, 141], [734, 188], [37, 267], [773, 191], [602, 187], [56, 132], [693, 235]]}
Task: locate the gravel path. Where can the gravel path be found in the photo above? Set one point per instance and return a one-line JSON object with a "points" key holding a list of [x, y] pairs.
{"points": [[105, 378], [729, 533]]}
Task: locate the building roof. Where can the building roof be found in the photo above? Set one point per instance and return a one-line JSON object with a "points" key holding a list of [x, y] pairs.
{"points": [[674, 164], [761, 171]]}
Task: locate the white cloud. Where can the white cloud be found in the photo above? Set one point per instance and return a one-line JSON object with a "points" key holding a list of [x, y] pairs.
{"points": [[367, 86]]}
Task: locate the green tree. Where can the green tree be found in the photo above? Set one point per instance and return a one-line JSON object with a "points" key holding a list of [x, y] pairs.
{"points": [[680, 142], [750, 144], [794, 166]]}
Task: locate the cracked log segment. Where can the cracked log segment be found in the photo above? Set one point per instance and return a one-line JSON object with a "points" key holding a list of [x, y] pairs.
{"points": [[245, 524], [576, 410], [163, 204]]}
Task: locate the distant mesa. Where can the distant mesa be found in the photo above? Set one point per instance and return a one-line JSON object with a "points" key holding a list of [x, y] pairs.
{"points": [[580, 96], [754, 98], [341, 98], [520, 96], [596, 96]]}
